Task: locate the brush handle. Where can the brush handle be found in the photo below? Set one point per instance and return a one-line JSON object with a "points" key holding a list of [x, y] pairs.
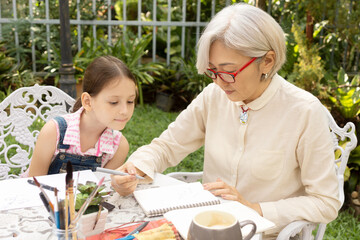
{"points": [[72, 207], [97, 216], [42, 185], [71, 203], [44, 193], [66, 216], [57, 219], [62, 213], [47, 206]]}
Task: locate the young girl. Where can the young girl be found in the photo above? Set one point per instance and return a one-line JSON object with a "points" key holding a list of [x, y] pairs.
{"points": [[90, 137]]}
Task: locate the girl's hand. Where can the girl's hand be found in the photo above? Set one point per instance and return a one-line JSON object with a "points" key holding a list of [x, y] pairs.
{"points": [[125, 185], [223, 190]]}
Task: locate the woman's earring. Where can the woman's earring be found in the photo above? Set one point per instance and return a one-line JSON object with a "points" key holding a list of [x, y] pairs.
{"points": [[265, 75]]}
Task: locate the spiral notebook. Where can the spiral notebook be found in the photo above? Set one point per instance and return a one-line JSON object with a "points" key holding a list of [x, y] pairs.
{"points": [[157, 201]]}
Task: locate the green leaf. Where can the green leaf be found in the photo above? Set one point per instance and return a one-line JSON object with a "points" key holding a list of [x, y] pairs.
{"points": [[347, 174], [85, 191], [341, 76]]}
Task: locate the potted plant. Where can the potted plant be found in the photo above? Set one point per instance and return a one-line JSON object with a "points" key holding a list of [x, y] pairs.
{"points": [[170, 89], [94, 219], [195, 82]]}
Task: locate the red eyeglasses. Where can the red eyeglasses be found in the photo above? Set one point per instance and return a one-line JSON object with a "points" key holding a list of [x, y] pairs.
{"points": [[226, 76]]}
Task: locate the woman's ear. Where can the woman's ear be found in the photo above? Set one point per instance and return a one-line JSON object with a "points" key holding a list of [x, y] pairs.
{"points": [[86, 101], [269, 62]]}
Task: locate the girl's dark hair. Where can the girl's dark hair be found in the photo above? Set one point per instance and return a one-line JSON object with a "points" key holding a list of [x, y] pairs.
{"points": [[100, 72]]}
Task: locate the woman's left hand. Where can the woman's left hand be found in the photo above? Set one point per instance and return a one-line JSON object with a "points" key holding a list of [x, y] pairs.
{"points": [[227, 192]]}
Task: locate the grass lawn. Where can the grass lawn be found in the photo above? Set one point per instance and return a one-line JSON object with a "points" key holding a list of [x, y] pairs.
{"points": [[148, 122]]}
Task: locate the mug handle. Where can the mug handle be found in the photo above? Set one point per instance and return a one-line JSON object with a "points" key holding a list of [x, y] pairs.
{"points": [[253, 230]]}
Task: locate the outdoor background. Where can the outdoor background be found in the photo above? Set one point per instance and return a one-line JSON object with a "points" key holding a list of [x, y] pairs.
{"points": [[157, 40]]}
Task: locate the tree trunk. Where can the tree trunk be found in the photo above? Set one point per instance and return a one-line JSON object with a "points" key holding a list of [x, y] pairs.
{"points": [[309, 27]]}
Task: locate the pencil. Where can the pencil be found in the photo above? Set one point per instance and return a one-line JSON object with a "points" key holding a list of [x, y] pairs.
{"points": [[115, 172]]}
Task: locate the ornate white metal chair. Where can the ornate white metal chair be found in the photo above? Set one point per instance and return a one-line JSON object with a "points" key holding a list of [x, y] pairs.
{"points": [[22, 114], [304, 228]]}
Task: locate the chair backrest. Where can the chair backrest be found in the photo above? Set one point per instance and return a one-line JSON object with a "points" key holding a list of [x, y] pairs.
{"points": [[22, 114], [345, 141]]}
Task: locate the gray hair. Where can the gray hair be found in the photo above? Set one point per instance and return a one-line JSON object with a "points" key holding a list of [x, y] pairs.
{"points": [[247, 29]]}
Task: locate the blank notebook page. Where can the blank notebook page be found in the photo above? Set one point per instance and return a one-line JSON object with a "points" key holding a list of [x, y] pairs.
{"points": [[157, 201]]}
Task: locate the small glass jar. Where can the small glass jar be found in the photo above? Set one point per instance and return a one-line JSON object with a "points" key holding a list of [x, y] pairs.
{"points": [[60, 234]]}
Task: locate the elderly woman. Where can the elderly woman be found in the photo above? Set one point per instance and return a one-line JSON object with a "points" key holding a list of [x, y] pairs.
{"points": [[267, 142]]}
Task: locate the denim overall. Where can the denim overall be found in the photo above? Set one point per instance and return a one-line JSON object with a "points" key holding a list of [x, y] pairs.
{"points": [[79, 163]]}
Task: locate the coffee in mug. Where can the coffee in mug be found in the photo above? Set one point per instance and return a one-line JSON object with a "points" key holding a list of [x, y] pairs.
{"points": [[215, 224]]}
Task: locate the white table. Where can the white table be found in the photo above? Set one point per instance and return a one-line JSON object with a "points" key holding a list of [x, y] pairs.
{"points": [[33, 223]]}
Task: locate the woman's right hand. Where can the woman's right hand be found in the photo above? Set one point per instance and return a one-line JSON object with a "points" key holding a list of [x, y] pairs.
{"points": [[125, 185]]}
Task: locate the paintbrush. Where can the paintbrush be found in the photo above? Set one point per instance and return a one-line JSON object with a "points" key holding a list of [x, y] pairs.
{"points": [[47, 206], [97, 216], [86, 203], [42, 185], [70, 191], [62, 213], [56, 209], [45, 195], [66, 201]]}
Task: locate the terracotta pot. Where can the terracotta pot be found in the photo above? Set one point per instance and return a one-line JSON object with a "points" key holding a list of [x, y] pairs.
{"points": [[87, 223]]}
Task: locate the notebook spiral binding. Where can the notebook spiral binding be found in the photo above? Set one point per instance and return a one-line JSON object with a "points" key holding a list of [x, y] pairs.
{"points": [[158, 212]]}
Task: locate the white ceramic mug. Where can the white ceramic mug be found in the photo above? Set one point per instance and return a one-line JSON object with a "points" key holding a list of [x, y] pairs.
{"points": [[215, 224]]}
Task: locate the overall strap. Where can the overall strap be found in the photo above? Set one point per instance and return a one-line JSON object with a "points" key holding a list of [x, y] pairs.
{"points": [[62, 129]]}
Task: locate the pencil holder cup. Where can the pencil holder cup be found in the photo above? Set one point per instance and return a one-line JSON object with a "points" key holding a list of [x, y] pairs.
{"points": [[214, 224], [88, 224], [60, 234]]}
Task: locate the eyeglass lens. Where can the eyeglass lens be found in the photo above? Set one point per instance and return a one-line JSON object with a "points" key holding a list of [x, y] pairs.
{"points": [[224, 76]]}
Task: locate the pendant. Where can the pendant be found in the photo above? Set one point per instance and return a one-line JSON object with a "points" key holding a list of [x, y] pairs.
{"points": [[243, 117]]}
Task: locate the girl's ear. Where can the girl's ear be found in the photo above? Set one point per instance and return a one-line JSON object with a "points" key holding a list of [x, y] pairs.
{"points": [[269, 62], [86, 101]]}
